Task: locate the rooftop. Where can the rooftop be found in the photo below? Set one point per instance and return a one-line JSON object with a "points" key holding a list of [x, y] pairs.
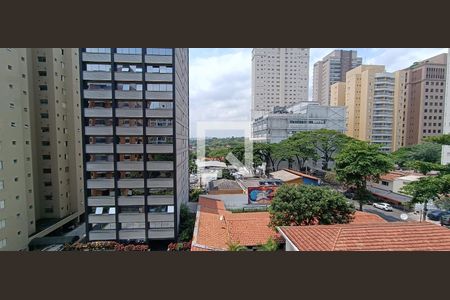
{"points": [[394, 236], [389, 195], [224, 184], [284, 175]]}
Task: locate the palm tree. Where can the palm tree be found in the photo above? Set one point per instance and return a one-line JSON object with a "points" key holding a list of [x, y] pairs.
{"points": [[270, 245], [235, 246]]}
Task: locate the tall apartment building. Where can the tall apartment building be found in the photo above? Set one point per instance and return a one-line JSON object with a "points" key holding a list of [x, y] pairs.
{"points": [[135, 138], [280, 77], [420, 101], [57, 149], [445, 157], [337, 94], [370, 105], [304, 116], [17, 211], [331, 69]]}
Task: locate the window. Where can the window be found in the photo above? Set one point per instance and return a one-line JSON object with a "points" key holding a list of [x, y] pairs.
{"points": [[161, 87], [2, 243], [44, 101], [159, 51], [98, 67], [160, 105], [45, 129], [2, 185], [2, 204], [11, 105], [49, 210], [46, 157], [13, 124], [42, 73], [129, 50], [1, 165], [48, 197], [160, 69], [47, 183], [44, 115], [386, 183], [98, 50], [45, 143], [47, 171], [2, 223], [41, 59], [129, 68], [43, 87], [9, 67], [129, 86]]}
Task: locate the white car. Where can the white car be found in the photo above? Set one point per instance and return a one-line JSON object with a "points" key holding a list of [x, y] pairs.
{"points": [[383, 206]]}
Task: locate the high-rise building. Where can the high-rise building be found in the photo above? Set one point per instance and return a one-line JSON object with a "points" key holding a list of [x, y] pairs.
{"points": [[135, 139], [370, 105], [331, 69], [445, 157], [57, 149], [337, 96], [419, 101], [280, 77], [17, 211]]}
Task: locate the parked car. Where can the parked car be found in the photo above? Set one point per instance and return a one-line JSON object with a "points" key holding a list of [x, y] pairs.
{"points": [[383, 206], [445, 220], [436, 214]]}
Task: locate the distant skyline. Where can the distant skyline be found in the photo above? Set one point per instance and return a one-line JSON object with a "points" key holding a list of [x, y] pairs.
{"points": [[220, 78]]}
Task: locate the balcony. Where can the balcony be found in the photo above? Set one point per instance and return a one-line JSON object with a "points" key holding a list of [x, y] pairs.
{"points": [[159, 131], [98, 130], [131, 217], [159, 166], [128, 58], [98, 112], [127, 76], [97, 94], [131, 200], [164, 233], [160, 200], [131, 183], [160, 182], [102, 235], [100, 183], [101, 201], [156, 77], [96, 57], [158, 95], [104, 218], [128, 94], [122, 130], [96, 75], [99, 148], [129, 112], [159, 113], [158, 59], [132, 234], [161, 148], [130, 148], [130, 166], [100, 166]]}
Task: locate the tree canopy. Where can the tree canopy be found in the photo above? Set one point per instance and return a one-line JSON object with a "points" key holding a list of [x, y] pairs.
{"points": [[308, 205], [425, 152]]}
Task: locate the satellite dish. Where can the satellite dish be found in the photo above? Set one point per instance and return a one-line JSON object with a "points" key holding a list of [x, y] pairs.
{"points": [[404, 217]]}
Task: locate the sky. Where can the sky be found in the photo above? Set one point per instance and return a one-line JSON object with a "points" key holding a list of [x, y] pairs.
{"points": [[220, 79]]}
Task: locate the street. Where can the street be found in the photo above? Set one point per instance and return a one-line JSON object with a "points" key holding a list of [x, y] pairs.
{"points": [[390, 216]]}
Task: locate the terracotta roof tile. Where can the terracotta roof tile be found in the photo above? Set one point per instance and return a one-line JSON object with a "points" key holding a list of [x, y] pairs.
{"points": [[394, 236]]}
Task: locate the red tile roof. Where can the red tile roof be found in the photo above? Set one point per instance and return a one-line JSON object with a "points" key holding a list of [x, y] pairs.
{"points": [[392, 175], [215, 227], [394, 236]]}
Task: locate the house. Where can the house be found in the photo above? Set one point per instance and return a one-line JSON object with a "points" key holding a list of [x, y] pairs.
{"points": [[215, 226], [294, 177], [224, 186], [392, 236]]}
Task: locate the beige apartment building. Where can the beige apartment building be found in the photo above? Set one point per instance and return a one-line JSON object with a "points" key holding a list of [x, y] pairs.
{"points": [[41, 138], [337, 95], [17, 194], [280, 77], [420, 101]]}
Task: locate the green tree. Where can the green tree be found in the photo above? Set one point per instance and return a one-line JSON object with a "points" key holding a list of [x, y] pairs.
{"points": [[300, 147], [425, 152], [424, 167], [187, 224], [429, 188], [235, 246], [265, 152], [359, 162], [270, 245], [194, 194], [308, 205], [441, 139], [327, 143]]}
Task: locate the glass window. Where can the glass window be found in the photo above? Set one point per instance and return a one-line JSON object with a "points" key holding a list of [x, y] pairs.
{"points": [[162, 123], [160, 191], [157, 208], [2, 204], [98, 50], [160, 174], [129, 86], [129, 50], [160, 69], [95, 86], [159, 51], [161, 157], [2, 185], [160, 105], [129, 68], [160, 140], [98, 67], [159, 87]]}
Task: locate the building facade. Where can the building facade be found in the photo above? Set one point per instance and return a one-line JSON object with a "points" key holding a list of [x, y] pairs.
{"points": [[280, 77], [337, 94], [275, 127], [135, 139], [331, 69], [420, 101], [445, 157], [17, 209]]}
